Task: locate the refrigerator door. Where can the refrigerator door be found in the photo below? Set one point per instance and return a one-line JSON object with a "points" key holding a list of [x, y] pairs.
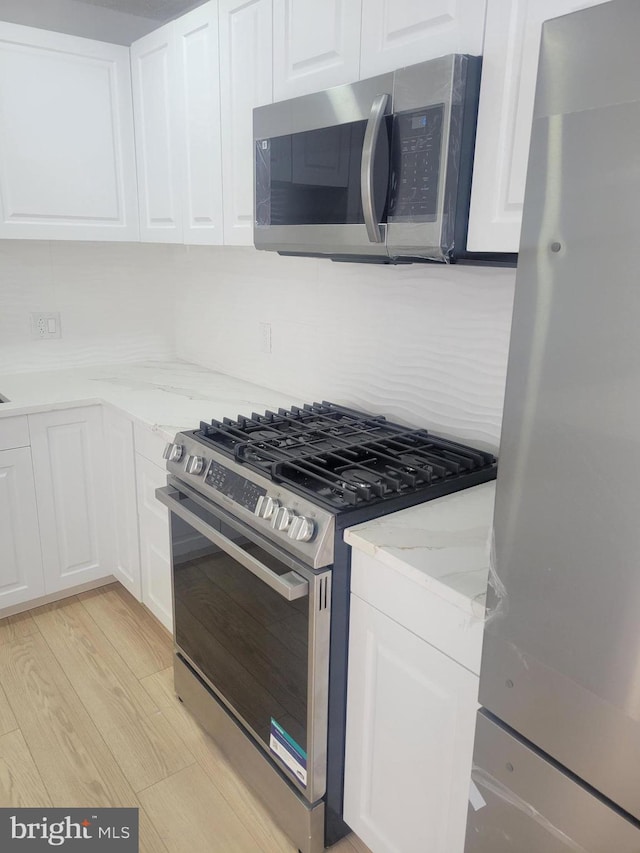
{"points": [[561, 660], [521, 803]]}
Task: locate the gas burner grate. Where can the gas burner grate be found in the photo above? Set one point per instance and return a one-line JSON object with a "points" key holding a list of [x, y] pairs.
{"points": [[341, 457]]}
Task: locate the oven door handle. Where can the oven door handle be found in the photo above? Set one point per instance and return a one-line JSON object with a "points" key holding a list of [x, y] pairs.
{"points": [[374, 123], [290, 585]]}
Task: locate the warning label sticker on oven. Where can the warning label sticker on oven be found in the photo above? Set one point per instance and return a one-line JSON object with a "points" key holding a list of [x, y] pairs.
{"points": [[288, 751]]}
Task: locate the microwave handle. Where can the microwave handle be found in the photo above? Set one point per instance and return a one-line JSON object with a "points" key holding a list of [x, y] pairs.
{"points": [[374, 123]]}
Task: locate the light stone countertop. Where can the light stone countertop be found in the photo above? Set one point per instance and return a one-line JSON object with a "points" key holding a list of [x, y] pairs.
{"points": [[442, 545], [168, 396]]}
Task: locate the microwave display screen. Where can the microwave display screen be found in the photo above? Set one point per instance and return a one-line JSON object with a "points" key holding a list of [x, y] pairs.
{"points": [[417, 144], [313, 177]]}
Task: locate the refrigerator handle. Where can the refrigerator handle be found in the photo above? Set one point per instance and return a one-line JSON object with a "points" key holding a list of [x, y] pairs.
{"points": [[374, 123]]}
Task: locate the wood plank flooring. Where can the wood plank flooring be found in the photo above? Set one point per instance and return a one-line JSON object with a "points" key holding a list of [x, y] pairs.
{"points": [[88, 716]]}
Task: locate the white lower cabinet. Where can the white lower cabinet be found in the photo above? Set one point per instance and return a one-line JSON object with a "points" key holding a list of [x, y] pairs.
{"points": [[123, 500], [410, 728], [155, 552], [21, 576], [69, 471], [79, 506]]}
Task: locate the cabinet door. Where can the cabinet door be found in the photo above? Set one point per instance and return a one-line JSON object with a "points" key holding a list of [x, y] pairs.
{"points": [[155, 103], [245, 82], [67, 159], [509, 72], [410, 727], [402, 32], [155, 553], [69, 468], [316, 45], [123, 500], [21, 577], [198, 138]]}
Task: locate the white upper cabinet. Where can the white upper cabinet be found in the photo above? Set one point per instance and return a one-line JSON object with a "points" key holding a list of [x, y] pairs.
{"points": [[509, 72], [176, 97], [316, 45], [246, 75], [396, 33], [153, 65], [198, 142], [67, 160]]}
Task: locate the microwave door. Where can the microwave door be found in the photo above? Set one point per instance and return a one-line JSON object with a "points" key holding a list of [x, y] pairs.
{"points": [[310, 196]]}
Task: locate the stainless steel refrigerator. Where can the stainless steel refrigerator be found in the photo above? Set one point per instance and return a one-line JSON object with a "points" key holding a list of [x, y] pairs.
{"points": [[557, 755]]}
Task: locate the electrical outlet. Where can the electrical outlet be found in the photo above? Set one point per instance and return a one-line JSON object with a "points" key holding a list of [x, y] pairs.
{"points": [[265, 337], [46, 327]]}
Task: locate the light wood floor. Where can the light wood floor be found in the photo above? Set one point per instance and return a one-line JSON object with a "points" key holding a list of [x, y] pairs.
{"points": [[88, 716]]}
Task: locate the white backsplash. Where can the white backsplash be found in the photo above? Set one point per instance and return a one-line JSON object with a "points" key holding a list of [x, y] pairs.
{"points": [[423, 343], [114, 299]]}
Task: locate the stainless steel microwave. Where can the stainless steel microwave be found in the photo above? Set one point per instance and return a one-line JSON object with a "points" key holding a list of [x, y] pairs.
{"points": [[376, 170]]}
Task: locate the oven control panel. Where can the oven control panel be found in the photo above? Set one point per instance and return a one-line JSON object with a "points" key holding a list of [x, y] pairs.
{"points": [[239, 489], [295, 523]]}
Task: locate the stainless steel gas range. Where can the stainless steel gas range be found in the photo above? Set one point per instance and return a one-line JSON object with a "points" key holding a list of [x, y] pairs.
{"points": [[258, 506]]}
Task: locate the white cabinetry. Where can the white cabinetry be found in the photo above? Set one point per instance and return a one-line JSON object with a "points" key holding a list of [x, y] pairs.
{"points": [[155, 553], [176, 98], [509, 71], [246, 76], [123, 501], [316, 45], [404, 32], [414, 658], [410, 729], [67, 160], [152, 70], [68, 464], [198, 142], [21, 577]]}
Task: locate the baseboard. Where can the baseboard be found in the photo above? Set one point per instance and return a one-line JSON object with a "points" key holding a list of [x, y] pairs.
{"points": [[55, 596]]}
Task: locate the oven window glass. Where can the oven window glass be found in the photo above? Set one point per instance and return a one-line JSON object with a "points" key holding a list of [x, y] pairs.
{"points": [[313, 178], [249, 642]]}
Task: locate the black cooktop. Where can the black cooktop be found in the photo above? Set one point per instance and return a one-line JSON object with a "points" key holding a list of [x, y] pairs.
{"points": [[343, 458]]}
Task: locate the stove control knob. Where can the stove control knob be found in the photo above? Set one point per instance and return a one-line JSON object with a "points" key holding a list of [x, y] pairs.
{"points": [[282, 518], [301, 529], [195, 465], [266, 506], [173, 452]]}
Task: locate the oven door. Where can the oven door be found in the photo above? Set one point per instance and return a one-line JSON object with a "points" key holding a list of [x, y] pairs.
{"points": [[322, 165], [253, 622]]}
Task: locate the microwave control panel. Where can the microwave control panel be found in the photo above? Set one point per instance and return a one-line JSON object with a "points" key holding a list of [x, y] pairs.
{"points": [[417, 143]]}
